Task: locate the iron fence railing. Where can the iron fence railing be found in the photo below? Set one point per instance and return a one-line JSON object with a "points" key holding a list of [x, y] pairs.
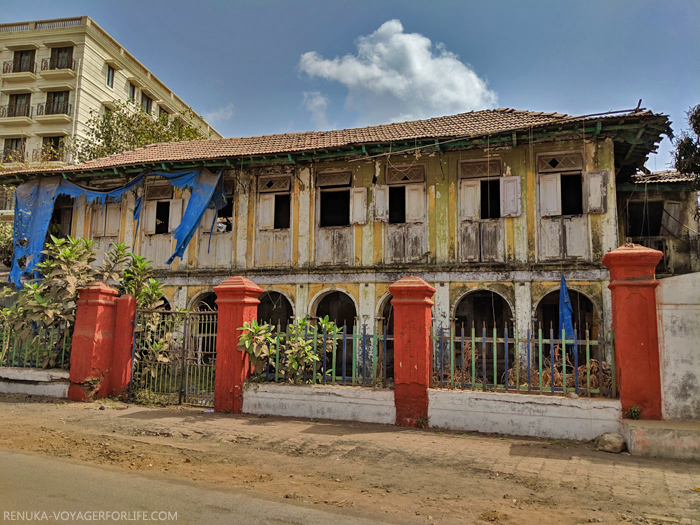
{"points": [[174, 357], [13, 155], [540, 363], [59, 63], [40, 348], [354, 357], [19, 66], [16, 110], [54, 108]]}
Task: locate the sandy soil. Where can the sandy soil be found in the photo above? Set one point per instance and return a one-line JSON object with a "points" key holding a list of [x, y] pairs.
{"points": [[399, 475]]}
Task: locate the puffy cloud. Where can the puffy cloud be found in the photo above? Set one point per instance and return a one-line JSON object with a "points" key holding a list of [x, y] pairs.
{"points": [[221, 114], [316, 103], [401, 76]]}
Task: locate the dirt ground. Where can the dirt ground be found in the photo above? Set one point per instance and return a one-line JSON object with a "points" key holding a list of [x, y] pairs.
{"points": [[399, 475]]}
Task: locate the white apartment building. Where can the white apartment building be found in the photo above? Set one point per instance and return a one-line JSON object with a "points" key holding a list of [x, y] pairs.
{"points": [[54, 73]]}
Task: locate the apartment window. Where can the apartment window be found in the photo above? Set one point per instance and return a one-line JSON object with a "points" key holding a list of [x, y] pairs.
{"points": [[274, 203], [219, 221], [485, 198], [61, 58], [106, 219], [19, 105], [162, 112], [162, 213], [146, 102], [335, 208], [51, 148], [397, 205], [57, 103], [23, 61], [14, 150], [110, 76], [132, 92]]}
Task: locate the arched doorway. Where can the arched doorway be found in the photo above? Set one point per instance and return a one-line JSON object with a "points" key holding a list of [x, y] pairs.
{"points": [[385, 323], [484, 311], [275, 308], [340, 308], [205, 302], [584, 316], [204, 327]]}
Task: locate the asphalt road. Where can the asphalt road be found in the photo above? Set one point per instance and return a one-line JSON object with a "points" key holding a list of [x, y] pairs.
{"points": [[34, 485]]}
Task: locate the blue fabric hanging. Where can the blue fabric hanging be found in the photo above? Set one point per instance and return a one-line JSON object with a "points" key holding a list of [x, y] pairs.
{"points": [[566, 311], [35, 201]]}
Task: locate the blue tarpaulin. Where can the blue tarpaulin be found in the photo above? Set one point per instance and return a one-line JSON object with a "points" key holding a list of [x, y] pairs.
{"points": [[35, 200], [566, 311]]}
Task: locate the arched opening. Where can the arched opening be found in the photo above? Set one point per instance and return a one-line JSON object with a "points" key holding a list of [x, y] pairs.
{"points": [[484, 311], [164, 304], [339, 307], [275, 308], [584, 316], [385, 323], [206, 302]]}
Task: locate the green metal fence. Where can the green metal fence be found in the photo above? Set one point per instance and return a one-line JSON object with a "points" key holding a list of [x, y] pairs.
{"points": [[39, 348]]}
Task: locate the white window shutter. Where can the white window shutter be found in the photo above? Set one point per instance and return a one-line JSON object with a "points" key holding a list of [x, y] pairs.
{"points": [[175, 214], [149, 217], [266, 211], [671, 220], [550, 194], [114, 219], [415, 203], [510, 196], [469, 200], [207, 220], [358, 206], [595, 191], [98, 220], [380, 196]]}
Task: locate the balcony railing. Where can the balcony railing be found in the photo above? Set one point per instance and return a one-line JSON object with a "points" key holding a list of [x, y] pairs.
{"points": [[53, 108], [48, 154], [19, 66], [16, 110], [58, 63], [13, 155]]}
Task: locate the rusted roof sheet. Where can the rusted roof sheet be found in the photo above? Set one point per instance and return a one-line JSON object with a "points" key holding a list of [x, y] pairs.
{"points": [[662, 176]]}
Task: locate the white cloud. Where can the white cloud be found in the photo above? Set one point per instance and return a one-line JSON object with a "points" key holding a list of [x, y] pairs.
{"points": [[316, 103], [401, 76], [221, 114]]}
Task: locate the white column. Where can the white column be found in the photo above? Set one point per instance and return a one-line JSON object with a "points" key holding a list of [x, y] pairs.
{"points": [[367, 306], [523, 316], [242, 230], [442, 313], [301, 304], [305, 222]]}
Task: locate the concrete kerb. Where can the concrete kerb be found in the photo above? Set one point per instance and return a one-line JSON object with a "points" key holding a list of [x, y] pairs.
{"points": [[34, 381]]}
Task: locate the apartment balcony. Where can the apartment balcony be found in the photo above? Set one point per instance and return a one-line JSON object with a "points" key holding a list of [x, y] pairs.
{"points": [[47, 154], [58, 112], [13, 156], [59, 68], [18, 71], [16, 115]]}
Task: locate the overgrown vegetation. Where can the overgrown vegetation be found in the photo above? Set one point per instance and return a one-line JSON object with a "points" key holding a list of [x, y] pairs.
{"points": [[41, 320], [301, 348], [128, 126], [6, 242]]}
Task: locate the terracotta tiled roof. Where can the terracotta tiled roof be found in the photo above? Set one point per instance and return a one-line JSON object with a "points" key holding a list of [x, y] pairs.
{"points": [[475, 123], [662, 176]]}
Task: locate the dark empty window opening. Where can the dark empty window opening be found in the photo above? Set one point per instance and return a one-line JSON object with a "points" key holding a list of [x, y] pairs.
{"points": [[397, 204], [224, 217], [490, 199], [162, 217], [571, 194], [282, 211], [335, 208], [110, 76], [644, 219]]}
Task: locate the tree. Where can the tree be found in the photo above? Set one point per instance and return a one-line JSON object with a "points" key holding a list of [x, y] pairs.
{"points": [[128, 127], [687, 151]]}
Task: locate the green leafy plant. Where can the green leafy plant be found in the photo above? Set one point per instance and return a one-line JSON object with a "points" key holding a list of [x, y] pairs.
{"points": [[634, 412], [6, 242], [256, 340]]}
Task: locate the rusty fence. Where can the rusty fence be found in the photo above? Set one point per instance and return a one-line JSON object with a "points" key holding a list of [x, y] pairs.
{"points": [[542, 362]]}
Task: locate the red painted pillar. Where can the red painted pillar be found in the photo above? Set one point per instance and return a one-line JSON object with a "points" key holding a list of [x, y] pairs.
{"points": [[237, 299], [633, 284], [93, 338], [413, 364], [120, 371]]}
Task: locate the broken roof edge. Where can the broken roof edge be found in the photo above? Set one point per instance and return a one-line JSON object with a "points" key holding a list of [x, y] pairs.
{"points": [[214, 150]]}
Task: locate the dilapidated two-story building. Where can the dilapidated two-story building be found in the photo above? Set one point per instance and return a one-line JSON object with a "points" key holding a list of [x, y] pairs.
{"points": [[490, 207]]}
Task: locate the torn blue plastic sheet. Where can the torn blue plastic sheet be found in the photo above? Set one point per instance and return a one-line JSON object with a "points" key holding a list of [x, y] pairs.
{"points": [[35, 201]]}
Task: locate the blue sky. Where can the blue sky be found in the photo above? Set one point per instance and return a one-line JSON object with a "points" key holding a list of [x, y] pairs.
{"points": [[262, 67]]}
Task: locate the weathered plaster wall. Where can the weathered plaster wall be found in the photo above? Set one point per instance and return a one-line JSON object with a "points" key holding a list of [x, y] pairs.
{"points": [[523, 415], [326, 402], [678, 307]]}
